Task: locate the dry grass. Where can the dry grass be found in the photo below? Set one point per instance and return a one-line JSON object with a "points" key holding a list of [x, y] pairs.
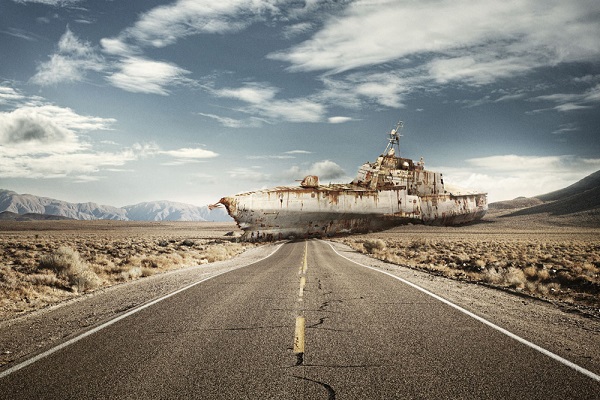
{"points": [[548, 262], [43, 262]]}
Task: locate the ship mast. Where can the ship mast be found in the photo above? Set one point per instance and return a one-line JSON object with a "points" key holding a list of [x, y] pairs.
{"points": [[393, 146]]}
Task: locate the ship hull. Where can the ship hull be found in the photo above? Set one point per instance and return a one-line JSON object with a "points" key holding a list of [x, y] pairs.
{"points": [[286, 212]]}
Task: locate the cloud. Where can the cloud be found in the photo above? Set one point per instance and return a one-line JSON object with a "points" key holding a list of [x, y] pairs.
{"points": [[297, 29], [298, 152], [188, 155], [164, 25], [506, 177], [252, 93], [27, 131], [21, 33], [382, 88], [54, 3], [116, 46], [251, 122], [472, 42], [60, 165], [73, 59], [476, 70], [271, 157], [325, 170], [9, 95], [45, 129], [338, 120], [251, 174], [140, 75], [45, 142], [573, 101], [261, 101]]}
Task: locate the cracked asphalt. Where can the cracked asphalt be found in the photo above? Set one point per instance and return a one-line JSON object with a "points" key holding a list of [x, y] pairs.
{"points": [[366, 336]]}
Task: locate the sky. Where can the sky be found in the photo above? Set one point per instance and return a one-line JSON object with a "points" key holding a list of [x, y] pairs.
{"points": [[125, 101]]}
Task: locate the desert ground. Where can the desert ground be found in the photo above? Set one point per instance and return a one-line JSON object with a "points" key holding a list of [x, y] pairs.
{"points": [[46, 262], [553, 258]]}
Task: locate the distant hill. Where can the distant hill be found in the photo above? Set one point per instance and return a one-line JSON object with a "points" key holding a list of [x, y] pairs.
{"points": [[11, 216], [27, 203], [580, 197], [24, 204], [172, 211], [519, 202]]}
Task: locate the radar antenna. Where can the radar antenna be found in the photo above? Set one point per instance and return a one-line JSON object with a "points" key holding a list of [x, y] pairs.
{"points": [[394, 140]]}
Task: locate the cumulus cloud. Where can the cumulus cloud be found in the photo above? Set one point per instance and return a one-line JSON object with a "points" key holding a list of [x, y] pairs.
{"points": [[141, 75], [45, 142], [73, 59], [506, 177], [45, 129], [325, 170]]}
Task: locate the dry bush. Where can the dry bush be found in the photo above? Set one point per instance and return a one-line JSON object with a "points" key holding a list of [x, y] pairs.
{"points": [[371, 246], [67, 263]]}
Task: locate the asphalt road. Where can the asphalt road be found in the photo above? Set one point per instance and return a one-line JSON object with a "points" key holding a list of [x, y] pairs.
{"points": [[304, 323]]}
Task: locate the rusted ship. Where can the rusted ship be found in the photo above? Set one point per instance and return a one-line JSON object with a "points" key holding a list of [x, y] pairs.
{"points": [[388, 192]]}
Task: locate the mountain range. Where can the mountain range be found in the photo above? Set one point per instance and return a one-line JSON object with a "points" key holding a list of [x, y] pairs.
{"points": [[581, 199], [26, 206]]}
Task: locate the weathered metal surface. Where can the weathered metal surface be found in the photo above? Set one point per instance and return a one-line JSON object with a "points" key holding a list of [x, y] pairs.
{"points": [[389, 192]]}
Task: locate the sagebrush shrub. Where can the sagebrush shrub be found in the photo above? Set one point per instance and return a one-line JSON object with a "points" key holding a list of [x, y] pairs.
{"points": [[67, 264]]}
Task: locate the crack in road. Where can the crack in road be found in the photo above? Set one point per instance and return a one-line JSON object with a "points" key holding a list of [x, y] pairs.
{"points": [[330, 390], [327, 303]]}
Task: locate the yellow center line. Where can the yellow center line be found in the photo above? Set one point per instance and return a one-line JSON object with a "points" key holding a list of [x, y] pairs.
{"points": [[302, 284], [300, 320], [299, 336], [304, 265]]}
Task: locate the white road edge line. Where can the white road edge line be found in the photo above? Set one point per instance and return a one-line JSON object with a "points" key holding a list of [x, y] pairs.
{"points": [[534, 346], [120, 317]]}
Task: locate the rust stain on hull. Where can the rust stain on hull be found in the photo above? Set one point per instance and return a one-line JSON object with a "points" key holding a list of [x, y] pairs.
{"points": [[388, 192]]}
